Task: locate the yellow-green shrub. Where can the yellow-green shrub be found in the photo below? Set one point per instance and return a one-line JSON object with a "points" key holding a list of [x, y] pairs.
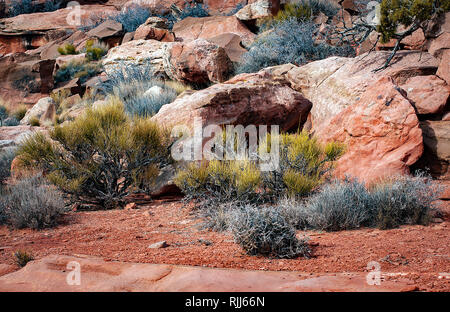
{"points": [[100, 156]]}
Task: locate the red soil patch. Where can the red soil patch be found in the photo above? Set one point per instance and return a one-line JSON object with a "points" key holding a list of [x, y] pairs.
{"points": [[421, 253]]}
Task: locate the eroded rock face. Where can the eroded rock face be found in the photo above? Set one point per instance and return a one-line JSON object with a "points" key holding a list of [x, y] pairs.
{"points": [[231, 44], [193, 28], [428, 94], [381, 132], [154, 28], [258, 9], [436, 138], [248, 99], [198, 61], [444, 67], [336, 83]]}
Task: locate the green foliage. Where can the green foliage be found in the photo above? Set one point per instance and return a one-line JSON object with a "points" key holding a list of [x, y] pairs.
{"points": [[32, 203], [20, 112], [265, 231], [77, 69], [407, 12], [22, 257], [35, 122], [95, 50], [99, 156], [303, 166], [68, 49]]}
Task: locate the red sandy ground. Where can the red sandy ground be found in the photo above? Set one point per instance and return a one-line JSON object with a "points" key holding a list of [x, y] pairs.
{"points": [[422, 252]]}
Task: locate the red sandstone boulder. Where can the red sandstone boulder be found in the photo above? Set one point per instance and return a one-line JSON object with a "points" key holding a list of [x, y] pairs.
{"points": [[428, 94], [154, 28], [231, 43], [198, 61], [248, 99], [436, 139], [193, 28], [335, 83], [444, 67], [381, 132]]}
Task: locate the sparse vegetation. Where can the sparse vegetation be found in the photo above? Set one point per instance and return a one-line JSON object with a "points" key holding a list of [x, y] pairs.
{"points": [[142, 94], [67, 49], [95, 50], [22, 257], [77, 69], [17, 7], [3, 114], [99, 156], [32, 203], [265, 231], [288, 41], [35, 122]]}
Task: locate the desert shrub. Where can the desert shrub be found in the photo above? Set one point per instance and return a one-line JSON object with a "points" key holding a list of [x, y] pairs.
{"points": [[190, 10], [3, 114], [341, 205], [132, 17], [236, 9], [20, 112], [22, 257], [220, 181], [32, 203], [265, 231], [98, 157], [17, 7], [177, 86], [142, 94], [288, 41], [11, 122], [77, 69], [404, 200], [27, 83], [6, 157], [347, 205], [95, 50], [303, 165], [67, 49], [34, 121]]}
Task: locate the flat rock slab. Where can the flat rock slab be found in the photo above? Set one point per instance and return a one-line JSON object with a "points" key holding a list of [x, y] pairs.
{"points": [[51, 274]]}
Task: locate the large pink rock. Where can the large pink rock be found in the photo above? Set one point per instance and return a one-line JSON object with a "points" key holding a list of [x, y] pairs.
{"points": [[57, 274], [381, 133], [198, 61], [232, 45], [428, 94], [335, 83], [444, 67], [248, 99], [193, 28]]}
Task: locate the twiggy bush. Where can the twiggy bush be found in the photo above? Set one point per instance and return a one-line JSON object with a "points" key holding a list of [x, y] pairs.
{"points": [[67, 49], [95, 50], [405, 200], [99, 156], [347, 205], [288, 41], [265, 231], [77, 69], [32, 203]]}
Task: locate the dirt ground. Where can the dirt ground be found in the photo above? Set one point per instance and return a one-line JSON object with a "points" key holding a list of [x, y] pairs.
{"points": [[419, 253]]}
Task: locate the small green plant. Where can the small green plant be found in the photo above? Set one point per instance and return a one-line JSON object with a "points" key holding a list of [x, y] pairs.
{"points": [[67, 49], [22, 257], [265, 231], [95, 50], [35, 122]]}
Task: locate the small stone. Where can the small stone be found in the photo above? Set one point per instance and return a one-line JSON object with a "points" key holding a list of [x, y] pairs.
{"points": [[158, 245], [130, 206]]}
